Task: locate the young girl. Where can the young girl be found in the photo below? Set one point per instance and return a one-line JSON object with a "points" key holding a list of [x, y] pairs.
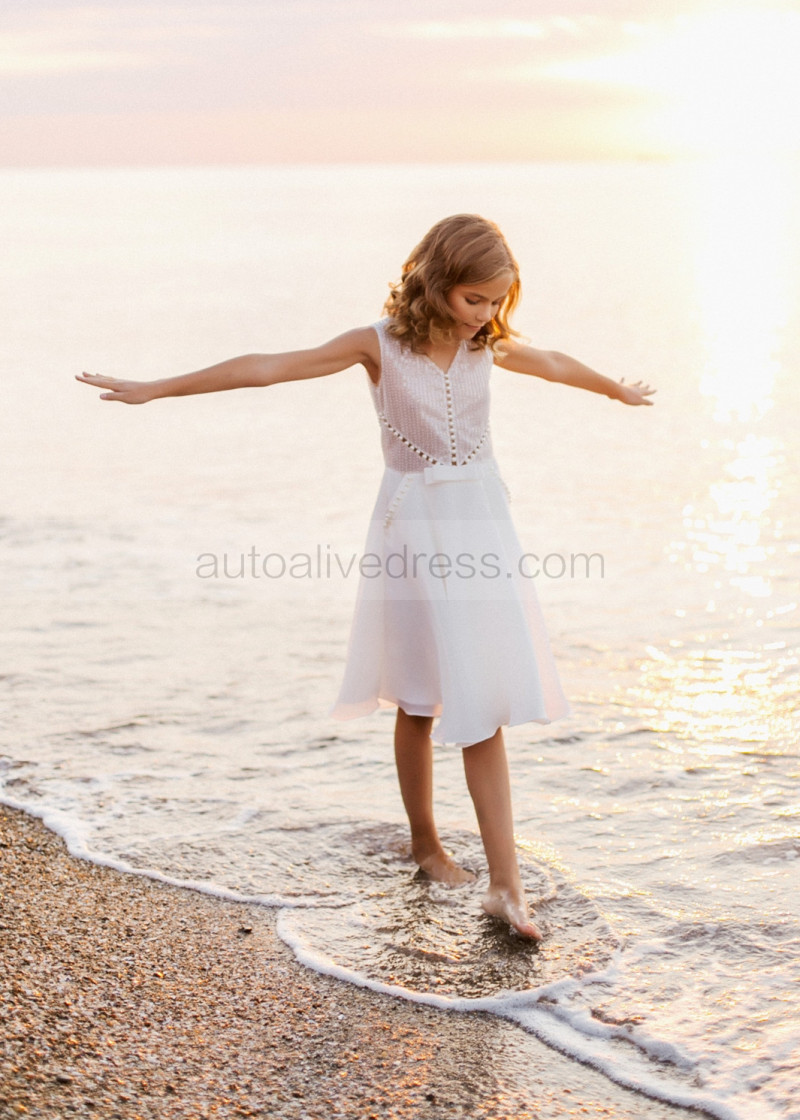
{"points": [[446, 622]]}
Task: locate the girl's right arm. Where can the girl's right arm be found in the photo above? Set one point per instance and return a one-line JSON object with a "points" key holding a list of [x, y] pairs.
{"points": [[357, 346]]}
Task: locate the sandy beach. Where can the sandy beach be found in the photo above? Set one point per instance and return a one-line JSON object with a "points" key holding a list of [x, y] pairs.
{"points": [[125, 998]]}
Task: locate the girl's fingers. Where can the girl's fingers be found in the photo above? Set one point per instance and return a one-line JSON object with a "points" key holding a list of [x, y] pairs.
{"points": [[94, 378], [101, 381], [118, 390], [642, 386]]}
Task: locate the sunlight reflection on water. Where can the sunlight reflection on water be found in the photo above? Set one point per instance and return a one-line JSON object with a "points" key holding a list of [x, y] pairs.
{"points": [[742, 272], [722, 700], [731, 683]]}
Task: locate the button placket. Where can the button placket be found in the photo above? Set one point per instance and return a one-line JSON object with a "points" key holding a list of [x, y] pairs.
{"points": [[451, 427]]}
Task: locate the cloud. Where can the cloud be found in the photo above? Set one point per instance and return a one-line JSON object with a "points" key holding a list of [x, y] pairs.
{"points": [[496, 27], [31, 58], [462, 29], [91, 39]]}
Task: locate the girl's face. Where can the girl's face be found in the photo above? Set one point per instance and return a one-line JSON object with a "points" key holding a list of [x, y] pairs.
{"points": [[474, 305]]}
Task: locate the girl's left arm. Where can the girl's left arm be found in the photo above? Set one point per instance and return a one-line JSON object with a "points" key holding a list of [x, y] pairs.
{"points": [[553, 366]]}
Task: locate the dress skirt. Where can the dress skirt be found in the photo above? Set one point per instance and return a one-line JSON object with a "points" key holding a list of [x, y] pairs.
{"points": [[446, 620]]}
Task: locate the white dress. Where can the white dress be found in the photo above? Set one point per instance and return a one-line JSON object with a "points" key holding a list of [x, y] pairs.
{"points": [[446, 621]]}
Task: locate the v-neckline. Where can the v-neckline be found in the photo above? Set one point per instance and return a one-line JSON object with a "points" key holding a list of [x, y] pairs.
{"points": [[436, 365]]}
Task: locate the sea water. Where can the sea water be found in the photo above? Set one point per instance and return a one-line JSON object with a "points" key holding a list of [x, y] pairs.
{"points": [[178, 581]]}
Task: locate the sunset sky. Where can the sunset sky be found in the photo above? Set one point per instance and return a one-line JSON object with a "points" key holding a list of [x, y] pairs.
{"points": [[262, 81]]}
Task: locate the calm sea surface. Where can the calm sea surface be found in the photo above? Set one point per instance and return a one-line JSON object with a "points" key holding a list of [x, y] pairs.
{"points": [[173, 721]]}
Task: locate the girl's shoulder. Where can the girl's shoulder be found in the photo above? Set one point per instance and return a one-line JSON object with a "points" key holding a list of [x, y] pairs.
{"points": [[385, 338], [383, 328], [381, 325]]}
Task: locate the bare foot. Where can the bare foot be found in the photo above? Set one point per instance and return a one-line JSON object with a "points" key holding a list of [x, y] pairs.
{"points": [[443, 869], [512, 908]]}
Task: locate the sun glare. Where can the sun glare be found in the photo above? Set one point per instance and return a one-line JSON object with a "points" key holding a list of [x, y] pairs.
{"points": [[723, 82], [743, 263]]}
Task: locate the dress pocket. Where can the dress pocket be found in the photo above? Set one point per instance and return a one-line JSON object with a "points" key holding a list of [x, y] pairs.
{"points": [[502, 481], [397, 499]]}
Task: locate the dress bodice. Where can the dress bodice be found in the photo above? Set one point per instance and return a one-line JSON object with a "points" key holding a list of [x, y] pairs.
{"points": [[429, 415]]}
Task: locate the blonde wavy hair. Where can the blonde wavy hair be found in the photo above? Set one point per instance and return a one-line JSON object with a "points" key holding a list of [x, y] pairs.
{"points": [[462, 249]]}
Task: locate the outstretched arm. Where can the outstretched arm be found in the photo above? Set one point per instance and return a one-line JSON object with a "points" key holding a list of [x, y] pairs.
{"points": [[552, 366], [349, 349]]}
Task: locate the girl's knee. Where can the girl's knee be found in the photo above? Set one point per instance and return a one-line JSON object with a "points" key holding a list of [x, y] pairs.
{"points": [[498, 734], [421, 722]]}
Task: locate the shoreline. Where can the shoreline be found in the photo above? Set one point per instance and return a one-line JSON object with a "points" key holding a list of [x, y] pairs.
{"points": [[130, 999]]}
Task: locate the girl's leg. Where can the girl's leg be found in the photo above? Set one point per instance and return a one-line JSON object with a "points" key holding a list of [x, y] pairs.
{"points": [[413, 751], [486, 768]]}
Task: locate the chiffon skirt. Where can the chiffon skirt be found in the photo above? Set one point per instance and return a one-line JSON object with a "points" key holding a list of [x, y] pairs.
{"points": [[446, 620]]}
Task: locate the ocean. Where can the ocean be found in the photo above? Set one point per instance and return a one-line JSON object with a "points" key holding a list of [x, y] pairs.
{"points": [[178, 582]]}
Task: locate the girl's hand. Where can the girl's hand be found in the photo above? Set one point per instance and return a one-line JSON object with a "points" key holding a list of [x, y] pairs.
{"points": [[636, 393], [129, 392]]}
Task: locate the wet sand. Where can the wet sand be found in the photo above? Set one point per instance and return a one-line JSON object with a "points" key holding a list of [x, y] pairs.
{"points": [[121, 997]]}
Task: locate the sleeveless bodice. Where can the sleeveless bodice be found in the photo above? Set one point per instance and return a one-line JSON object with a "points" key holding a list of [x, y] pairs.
{"points": [[429, 415]]}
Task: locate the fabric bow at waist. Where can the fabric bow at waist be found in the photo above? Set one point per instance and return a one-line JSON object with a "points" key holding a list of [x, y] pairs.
{"points": [[451, 472]]}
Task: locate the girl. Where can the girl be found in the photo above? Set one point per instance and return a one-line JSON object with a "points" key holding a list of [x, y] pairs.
{"points": [[446, 622]]}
